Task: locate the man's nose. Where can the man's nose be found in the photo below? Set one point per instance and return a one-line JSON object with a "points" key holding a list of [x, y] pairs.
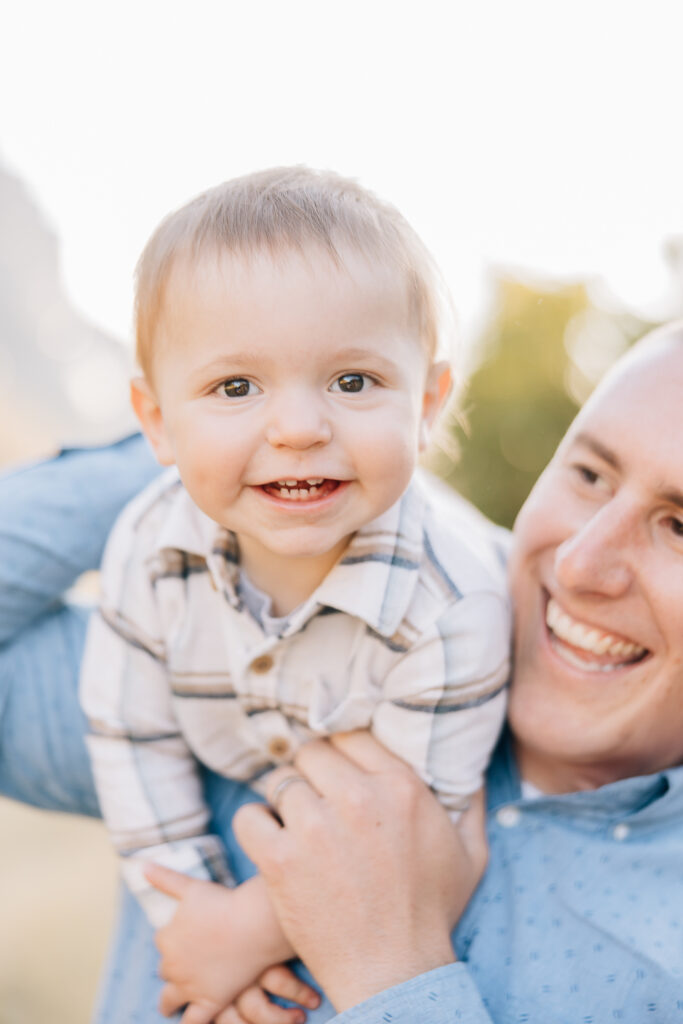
{"points": [[298, 420], [596, 557]]}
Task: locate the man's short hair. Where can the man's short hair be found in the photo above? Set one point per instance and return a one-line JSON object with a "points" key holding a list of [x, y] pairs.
{"points": [[290, 208]]}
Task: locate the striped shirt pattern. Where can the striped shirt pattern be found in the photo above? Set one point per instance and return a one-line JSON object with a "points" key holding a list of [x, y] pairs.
{"points": [[408, 635]]}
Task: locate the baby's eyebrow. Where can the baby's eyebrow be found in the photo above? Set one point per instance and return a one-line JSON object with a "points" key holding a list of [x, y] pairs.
{"points": [[362, 356], [233, 363]]}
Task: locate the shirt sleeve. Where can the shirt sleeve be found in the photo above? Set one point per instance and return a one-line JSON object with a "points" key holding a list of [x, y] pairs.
{"points": [[54, 519], [146, 776], [446, 995], [443, 703]]}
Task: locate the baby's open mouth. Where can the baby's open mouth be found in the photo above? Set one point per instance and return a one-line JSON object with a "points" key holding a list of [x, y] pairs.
{"points": [[313, 488], [586, 647]]}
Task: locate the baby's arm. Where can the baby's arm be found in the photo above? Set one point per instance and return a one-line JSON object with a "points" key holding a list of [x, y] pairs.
{"points": [[218, 942], [146, 776], [444, 701]]}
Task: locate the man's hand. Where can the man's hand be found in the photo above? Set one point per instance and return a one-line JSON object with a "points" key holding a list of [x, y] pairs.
{"points": [[367, 874], [217, 944]]}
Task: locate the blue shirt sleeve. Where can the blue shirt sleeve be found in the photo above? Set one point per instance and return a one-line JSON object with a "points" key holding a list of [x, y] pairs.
{"points": [[446, 995], [54, 520]]}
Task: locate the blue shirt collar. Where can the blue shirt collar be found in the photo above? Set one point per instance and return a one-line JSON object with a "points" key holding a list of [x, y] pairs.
{"points": [[646, 799]]}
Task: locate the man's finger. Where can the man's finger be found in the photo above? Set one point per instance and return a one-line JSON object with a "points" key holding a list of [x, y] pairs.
{"points": [[255, 829], [334, 766], [173, 883], [286, 785], [363, 749]]}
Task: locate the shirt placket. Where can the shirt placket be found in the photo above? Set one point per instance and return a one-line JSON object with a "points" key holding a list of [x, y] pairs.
{"points": [[259, 684]]}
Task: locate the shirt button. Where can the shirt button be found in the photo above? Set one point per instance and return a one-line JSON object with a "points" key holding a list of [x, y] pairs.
{"points": [[509, 816], [278, 747], [620, 832], [262, 665]]}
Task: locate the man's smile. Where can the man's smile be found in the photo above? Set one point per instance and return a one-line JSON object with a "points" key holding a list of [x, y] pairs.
{"points": [[587, 647]]}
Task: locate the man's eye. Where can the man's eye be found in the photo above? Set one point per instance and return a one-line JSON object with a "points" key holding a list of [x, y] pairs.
{"points": [[237, 387], [676, 526], [350, 383], [586, 474]]}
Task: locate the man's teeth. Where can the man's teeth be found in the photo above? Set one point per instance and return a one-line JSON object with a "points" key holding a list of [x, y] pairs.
{"points": [[587, 638]]}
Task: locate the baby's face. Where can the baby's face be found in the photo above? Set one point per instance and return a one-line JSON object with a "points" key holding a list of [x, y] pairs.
{"points": [[293, 395]]}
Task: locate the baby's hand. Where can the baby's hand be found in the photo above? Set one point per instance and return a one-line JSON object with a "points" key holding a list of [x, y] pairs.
{"points": [[217, 944], [254, 1007]]}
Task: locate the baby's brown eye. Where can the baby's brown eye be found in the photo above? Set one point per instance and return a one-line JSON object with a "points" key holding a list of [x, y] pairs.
{"points": [[236, 387], [351, 382]]}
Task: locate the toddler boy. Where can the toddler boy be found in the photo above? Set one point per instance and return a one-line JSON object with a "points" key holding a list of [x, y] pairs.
{"points": [[288, 578]]}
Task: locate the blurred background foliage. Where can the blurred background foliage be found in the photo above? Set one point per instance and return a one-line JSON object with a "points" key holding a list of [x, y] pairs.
{"points": [[542, 349]]}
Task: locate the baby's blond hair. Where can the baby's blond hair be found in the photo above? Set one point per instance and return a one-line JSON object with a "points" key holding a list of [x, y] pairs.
{"points": [[289, 208]]}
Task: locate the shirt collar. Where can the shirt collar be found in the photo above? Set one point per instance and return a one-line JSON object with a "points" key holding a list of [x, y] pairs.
{"points": [[644, 798], [387, 552], [185, 527]]}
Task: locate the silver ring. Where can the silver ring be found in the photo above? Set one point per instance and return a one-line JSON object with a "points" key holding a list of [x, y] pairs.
{"points": [[276, 796]]}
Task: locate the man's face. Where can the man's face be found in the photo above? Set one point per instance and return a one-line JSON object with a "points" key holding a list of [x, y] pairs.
{"points": [[292, 395], [597, 583]]}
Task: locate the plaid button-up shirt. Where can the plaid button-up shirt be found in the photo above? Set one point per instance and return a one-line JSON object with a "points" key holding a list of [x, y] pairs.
{"points": [[408, 635]]}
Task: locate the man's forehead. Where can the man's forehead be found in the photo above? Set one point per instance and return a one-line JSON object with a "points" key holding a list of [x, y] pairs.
{"points": [[634, 421], [645, 383]]}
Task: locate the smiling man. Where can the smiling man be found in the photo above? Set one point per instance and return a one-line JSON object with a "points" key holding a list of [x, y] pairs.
{"points": [[579, 917], [597, 580]]}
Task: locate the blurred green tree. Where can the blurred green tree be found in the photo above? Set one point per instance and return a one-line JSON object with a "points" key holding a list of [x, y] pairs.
{"points": [[539, 357]]}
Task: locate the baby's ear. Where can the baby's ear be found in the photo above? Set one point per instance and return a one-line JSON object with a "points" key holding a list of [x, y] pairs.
{"points": [[437, 389], [148, 411]]}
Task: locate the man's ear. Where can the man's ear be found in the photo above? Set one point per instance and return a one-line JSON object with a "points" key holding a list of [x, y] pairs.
{"points": [[148, 411], [437, 389]]}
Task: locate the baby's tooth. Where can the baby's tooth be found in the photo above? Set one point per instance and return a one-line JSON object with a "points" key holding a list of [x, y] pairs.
{"points": [[290, 483]]}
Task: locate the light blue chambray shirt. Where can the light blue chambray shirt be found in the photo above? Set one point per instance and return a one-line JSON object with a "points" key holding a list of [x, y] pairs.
{"points": [[579, 919]]}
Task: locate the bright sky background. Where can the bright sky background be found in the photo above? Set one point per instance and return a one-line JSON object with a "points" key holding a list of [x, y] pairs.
{"points": [[540, 134]]}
